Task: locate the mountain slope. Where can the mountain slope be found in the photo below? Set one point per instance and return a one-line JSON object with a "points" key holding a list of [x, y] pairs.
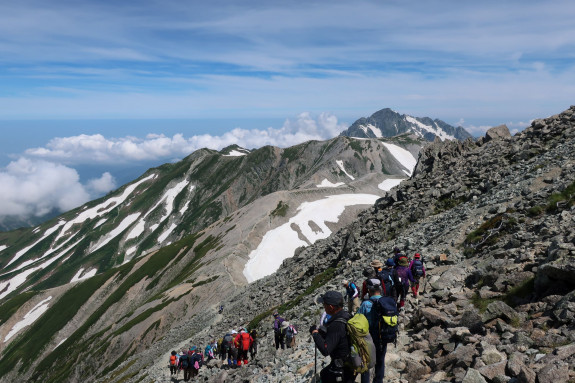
{"points": [[494, 221], [110, 278], [388, 123]]}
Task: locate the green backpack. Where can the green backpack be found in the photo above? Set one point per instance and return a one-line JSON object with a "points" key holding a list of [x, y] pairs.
{"points": [[362, 355]]}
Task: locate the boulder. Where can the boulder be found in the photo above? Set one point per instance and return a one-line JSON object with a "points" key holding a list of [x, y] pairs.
{"points": [[497, 133]]}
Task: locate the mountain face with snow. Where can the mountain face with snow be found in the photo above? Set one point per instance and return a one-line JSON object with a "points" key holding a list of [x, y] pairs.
{"points": [[388, 123], [108, 279]]}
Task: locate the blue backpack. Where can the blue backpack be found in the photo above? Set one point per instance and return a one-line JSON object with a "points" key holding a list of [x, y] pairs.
{"points": [[387, 319], [387, 284], [417, 268]]}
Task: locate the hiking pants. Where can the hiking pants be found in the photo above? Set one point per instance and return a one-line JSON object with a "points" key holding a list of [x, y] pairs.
{"points": [[380, 350], [353, 305], [223, 353], [242, 355], [280, 340], [187, 373], [173, 369]]}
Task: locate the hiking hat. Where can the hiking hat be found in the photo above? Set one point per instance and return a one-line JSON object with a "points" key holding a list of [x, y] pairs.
{"points": [[403, 261], [234, 332], [333, 298], [193, 348], [390, 262], [376, 263], [276, 314], [285, 324], [417, 255], [344, 282]]}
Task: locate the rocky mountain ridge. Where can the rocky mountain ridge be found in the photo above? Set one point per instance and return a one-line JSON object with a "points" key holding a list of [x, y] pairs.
{"points": [[494, 220], [388, 123]]}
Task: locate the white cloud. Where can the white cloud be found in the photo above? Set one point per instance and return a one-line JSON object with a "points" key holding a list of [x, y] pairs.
{"points": [[99, 149], [33, 187], [102, 185]]}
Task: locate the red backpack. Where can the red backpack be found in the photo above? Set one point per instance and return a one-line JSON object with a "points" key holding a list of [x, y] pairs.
{"points": [[244, 341], [173, 360]]}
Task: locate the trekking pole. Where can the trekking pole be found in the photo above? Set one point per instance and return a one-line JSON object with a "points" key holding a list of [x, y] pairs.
{"points": [[315, 365]]}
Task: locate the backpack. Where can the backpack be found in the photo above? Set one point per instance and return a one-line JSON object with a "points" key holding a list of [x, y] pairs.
{"points": [[362, 355], [184, 360], [387, 283], [244, 341], [417, 268], [386, 314], [173, 360], [227, 342]]}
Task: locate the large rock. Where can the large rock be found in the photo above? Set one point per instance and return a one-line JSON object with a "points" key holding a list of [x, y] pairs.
{"points": [[497, 133]]}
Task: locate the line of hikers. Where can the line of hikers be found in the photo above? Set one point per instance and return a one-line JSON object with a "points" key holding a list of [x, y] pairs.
{"points": [[358, 343], [355, 343]]}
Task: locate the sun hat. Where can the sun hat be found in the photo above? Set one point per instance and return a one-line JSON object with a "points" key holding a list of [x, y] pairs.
{"points": [[376, 263], [390, 262], [417, 255], [344, 282], [403, 261]]}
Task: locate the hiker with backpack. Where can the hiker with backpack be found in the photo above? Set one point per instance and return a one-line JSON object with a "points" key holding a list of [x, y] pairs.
{"points": [[185, 365], [396, 255], [279, 336], [418, 270], [381, 313], [254, 345], [390, 280], [226, 348], [243, 342], [196, 361], [209, 351], [369, 273], [174, 359], [290, 332], [332, 340], [406, 276], [352, 295]]}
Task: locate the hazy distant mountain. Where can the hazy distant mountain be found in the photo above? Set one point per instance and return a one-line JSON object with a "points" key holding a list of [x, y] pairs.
{"points": [[388, 123]]}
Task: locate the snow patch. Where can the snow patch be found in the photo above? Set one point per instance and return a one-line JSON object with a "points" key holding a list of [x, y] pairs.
{"points": [[403, 156], [25, 250], [235, 153], [390, 183], [79, 276], [169, 197], [166, 233], [59, 344], [137, 230], [29, 318], [340, 164], [327, 184], [126, 222], [100, 222], [3, 247], [280, 243], [375, 130], [435, 130], [185, 208]]}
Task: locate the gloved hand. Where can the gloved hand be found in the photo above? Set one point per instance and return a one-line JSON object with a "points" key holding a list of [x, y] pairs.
{"points": [[312, 328]]}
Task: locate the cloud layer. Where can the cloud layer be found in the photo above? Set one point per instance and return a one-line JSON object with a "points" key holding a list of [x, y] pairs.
{"points": [[31, 187]]}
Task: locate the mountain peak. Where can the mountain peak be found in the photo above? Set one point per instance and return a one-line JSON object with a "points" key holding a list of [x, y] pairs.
{"points": [[388, 123]]}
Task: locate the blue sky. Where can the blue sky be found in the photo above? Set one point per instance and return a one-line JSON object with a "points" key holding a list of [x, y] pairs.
{"points": [[110, 79]]}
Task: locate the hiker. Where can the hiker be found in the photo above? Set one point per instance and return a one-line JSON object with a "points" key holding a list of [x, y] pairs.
{"points": [[390, 280], [279, 337], [225, 348], [369, 273], [418, 270], [209, 351], [332, 340], [233, 350], [404, 273], [396, 255], [243, 342], [254, 345], [174, 359], [186, 365], [352, 295], [290, 332], [374, 311], [196, 361]]}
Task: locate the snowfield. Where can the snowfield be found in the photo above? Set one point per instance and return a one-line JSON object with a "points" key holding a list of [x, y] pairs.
{"points": [[80, 275], [29, 318], [390, 183], [435, 130], [327, 184], [280, 243], [340, 164], [403, 156]]}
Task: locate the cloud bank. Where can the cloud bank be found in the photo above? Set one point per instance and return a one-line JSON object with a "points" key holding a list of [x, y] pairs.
{"points": [[44, 178], [34, 187], [97, 148]]}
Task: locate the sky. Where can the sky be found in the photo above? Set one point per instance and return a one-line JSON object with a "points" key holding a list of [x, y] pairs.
{"points": [[91, 92]]}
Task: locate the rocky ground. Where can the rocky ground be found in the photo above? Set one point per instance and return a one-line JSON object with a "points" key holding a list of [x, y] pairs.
{"points": [[495, 221]]}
